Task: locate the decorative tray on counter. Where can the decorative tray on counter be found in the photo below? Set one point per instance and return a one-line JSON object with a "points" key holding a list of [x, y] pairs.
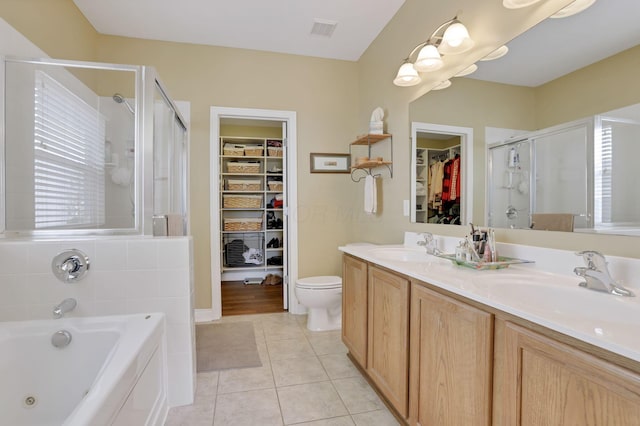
{"points": [[503, 262]]}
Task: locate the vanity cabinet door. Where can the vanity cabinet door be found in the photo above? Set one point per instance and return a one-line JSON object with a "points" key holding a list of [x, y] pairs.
{"points": [[388, 354], [451, 361], [354, 308], [550, 383]]}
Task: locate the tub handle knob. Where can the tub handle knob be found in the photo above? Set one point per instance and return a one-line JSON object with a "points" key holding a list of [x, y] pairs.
{"points": [[70, 266]]}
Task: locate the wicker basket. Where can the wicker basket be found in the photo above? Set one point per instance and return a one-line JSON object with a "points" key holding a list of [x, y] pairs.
{"points": [[233, 149], [274, 151], [243, 224], [253, 151], [241, 201], [243, 185], [275, 186], [240, 167]]}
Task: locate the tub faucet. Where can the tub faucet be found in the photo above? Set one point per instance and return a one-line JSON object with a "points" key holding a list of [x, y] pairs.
{"points": [[596, 274], [65, 306]]}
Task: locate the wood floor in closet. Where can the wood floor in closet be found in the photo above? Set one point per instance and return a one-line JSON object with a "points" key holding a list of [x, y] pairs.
{"points": [[242, 299]]}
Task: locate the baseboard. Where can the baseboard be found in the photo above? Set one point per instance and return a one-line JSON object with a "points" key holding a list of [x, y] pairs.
{"points": [[205, 315]]}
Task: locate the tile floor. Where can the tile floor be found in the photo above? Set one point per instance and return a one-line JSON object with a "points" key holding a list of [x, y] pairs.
{"points": [[305, 379]]}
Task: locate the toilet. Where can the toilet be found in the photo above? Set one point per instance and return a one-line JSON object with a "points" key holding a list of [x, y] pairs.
{"points": [[323, 298]]}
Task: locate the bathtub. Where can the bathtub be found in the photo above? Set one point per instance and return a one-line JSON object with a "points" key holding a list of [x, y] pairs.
{"points": [[111, 373]]}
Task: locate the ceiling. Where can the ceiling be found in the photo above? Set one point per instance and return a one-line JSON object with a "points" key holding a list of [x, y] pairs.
{"points": [[282, 26], [556, 47], [549, 50]]}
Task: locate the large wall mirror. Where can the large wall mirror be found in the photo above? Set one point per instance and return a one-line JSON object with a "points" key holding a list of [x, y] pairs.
{"points": [[69, 147], [545, 113]]}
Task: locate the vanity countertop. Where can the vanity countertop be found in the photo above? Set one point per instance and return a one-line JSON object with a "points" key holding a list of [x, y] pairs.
{"points": [[528, 291]]}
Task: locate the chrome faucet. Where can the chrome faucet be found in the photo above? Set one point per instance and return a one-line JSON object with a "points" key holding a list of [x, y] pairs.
{"points": [[429, 243], [65, 306], [596, 274]]}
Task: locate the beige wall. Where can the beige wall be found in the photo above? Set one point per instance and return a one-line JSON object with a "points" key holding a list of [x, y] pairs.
{"points": [[606, 85], [333, 101], [323, 93], [455, 107]]}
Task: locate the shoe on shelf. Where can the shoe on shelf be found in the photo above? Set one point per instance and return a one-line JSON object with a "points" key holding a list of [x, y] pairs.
{"points": [[273, 243]]}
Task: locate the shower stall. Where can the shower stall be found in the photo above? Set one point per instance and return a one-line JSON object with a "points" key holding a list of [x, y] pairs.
{"points": [[89, 148], [583, 168], [542, 172]]}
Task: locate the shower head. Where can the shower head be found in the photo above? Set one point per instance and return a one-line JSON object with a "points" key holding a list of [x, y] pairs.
{"points": [[118, 98]]}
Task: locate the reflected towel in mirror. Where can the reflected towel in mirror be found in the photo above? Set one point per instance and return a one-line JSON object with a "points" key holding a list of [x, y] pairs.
{"points": [[552, 221]]}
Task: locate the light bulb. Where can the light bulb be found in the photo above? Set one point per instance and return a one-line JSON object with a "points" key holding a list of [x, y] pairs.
{"points": [[455, 40], [455, 34], [407, 76], [428, 59]]}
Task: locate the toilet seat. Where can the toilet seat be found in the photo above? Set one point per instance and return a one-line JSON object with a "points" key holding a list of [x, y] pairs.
{"points": [[320, 283]]}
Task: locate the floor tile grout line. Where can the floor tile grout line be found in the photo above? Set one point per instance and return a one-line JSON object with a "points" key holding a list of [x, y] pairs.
{"points": [[273, 377]]}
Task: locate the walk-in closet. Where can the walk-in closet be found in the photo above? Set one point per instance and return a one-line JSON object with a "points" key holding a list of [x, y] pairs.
{"points": [[249, 219]]}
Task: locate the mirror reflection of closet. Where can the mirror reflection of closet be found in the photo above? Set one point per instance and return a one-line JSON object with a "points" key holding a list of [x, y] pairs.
{"points": [[438, 181]]}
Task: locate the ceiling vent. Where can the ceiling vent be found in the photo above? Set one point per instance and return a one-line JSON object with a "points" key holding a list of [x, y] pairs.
{"points": [[323, 27]]}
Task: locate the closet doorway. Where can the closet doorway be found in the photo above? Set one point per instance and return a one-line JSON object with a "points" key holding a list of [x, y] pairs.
{"points": [[253, 199], [445, 197]]}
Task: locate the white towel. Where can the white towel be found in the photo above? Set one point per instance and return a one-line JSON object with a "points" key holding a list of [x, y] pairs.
{"points": [[370, 197]]}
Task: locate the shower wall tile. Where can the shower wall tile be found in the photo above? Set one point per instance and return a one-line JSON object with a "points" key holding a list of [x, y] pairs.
{"points": [[127, 275], [171, 254], [13, 259], [110, 256], [142, 254]]}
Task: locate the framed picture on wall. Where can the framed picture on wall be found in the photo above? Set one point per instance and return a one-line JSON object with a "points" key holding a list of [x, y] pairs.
{"points": [[330, 163]]}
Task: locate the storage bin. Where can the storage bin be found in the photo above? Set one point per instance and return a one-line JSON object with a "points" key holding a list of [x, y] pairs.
{"points": [[274, 151], [243, 185], [275, 186], [243, 167], [230, 201], [243, 249], [233, 149], [253, 150], [243, 224]]}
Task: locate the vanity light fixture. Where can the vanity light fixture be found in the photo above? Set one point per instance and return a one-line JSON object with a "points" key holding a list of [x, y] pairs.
{"points": [[498, 53], [468, 70], [407, 75], [517, 4], [450, 38], [442, 85], [429, 59], [573, 8]]}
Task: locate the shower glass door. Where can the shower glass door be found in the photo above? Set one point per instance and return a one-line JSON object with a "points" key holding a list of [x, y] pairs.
{"points": [[169, 162]]}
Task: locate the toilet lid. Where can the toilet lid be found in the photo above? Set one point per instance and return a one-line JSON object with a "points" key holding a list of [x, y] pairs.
{"points": [[320, 282]]}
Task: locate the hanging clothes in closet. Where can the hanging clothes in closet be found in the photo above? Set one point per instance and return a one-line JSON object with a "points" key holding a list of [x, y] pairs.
{"points": [[444, 190]]}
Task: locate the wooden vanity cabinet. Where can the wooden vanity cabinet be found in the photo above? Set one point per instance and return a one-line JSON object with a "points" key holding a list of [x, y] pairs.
{"points": [[388, 346], [542, 381], [451, 361], [441, 360], [354, 307]]}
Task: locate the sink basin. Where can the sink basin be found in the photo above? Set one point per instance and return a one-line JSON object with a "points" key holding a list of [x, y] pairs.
{"points": [[400, 254], [560, 299]]}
